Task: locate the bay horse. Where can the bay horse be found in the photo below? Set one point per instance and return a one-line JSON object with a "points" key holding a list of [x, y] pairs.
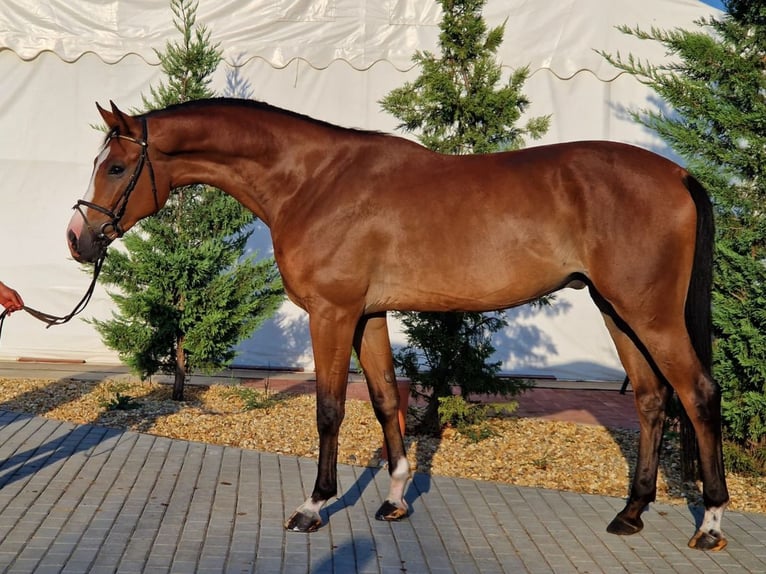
{"points": [[364, 223]]}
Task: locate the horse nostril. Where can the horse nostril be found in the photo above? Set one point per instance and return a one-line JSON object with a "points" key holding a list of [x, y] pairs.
{"points": [[72, 236]]}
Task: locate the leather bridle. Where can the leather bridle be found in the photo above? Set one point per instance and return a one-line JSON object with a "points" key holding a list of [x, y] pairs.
{"points": [[111, 230], [108, 231]]}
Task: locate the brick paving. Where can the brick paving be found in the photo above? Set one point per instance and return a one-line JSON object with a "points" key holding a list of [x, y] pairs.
{"points": [[83, 498], [550, 400]]}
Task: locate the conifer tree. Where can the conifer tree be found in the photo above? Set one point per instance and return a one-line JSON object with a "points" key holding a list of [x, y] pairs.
{"points": [[458, 105], [715, 86], [184, 297]]}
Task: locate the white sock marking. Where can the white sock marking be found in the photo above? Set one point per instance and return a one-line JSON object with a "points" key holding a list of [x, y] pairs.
{"points": [[311, 507], [399, 478], [712, 520]]}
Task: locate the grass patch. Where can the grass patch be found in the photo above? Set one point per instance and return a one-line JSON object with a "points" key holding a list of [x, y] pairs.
{"points": [[253, 399], [471, 420], [120, 402]]}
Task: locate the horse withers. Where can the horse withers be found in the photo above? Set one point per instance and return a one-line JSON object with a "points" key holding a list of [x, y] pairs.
{"points": [[364, 223]]}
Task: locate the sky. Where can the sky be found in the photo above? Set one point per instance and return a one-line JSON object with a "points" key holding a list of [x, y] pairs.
{"points": [[715, 3]]}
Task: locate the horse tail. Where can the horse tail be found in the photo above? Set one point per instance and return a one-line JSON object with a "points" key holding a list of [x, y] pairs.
{"points": [[698, 313], [698, 301]]}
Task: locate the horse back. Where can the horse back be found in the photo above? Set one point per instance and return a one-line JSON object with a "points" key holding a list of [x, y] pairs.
{"points": [[401, 223]]}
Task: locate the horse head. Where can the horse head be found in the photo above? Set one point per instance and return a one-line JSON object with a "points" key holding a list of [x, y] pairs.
{"points": [[123, 188]]}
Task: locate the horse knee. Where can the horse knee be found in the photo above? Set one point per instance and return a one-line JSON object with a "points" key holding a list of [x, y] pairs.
{"points": [[385, 398], [330, 413], [385, 405]]}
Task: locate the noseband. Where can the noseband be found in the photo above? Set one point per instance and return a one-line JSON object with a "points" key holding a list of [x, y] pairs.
{"points": [[111, 229]]}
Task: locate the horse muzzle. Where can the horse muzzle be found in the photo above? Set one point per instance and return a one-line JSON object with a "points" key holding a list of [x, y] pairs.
{"points": [[87, 247]]}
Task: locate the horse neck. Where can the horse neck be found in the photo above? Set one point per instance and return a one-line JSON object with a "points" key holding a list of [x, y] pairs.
{"points": [[259, 157]]}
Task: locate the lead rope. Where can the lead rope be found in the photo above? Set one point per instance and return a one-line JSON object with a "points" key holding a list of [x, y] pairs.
{"points": [[51, 320]]}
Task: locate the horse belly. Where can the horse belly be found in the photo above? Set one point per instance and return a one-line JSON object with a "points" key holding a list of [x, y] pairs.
{"points": [[474, 285], [485, 259]]}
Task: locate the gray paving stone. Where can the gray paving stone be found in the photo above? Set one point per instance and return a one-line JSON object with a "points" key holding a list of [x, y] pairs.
{"points": [[79, 498]]}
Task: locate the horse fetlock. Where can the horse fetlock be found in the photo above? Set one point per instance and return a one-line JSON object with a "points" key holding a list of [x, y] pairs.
{"points": [[401, 471], [395, 507]]}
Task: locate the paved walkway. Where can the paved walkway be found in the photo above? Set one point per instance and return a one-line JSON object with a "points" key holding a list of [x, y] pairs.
{"points": [[82, 498]]}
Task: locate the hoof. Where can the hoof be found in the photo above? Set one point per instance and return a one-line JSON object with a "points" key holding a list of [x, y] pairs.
{"points": [[303, 522], [713, 541], [390, 512], [623, 527]]}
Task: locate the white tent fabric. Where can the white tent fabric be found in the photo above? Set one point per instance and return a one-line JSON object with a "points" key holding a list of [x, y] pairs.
{"points": [[331, 59], [320, 32]]}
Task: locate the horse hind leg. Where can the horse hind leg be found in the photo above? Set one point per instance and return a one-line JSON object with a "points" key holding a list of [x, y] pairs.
{"points": [[651, 396], [665, 339], [702, 402], [373, 349], [701, 399]]}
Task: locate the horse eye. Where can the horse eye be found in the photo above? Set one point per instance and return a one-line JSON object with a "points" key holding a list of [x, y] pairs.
{"points": [[116, 169]]}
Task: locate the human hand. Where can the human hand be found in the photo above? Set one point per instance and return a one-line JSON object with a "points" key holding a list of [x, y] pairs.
{"points": [[10, 299]]}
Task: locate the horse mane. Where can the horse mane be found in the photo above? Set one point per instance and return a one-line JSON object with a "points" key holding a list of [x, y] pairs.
{"points": [[255, 105]]}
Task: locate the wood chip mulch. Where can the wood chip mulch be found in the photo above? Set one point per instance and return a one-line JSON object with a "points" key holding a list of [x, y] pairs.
{"points": [[521, 451]]}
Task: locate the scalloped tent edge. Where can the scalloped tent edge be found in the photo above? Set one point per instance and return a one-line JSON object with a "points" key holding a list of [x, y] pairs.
{"points": [[361, 33]]}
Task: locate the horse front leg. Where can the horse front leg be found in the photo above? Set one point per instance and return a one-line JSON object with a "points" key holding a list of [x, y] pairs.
{"points": [[331, 339], [373, 348]]}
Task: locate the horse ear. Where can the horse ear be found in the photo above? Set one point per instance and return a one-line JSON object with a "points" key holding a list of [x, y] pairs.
{"points": [[109, 118], [122, 120]]}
